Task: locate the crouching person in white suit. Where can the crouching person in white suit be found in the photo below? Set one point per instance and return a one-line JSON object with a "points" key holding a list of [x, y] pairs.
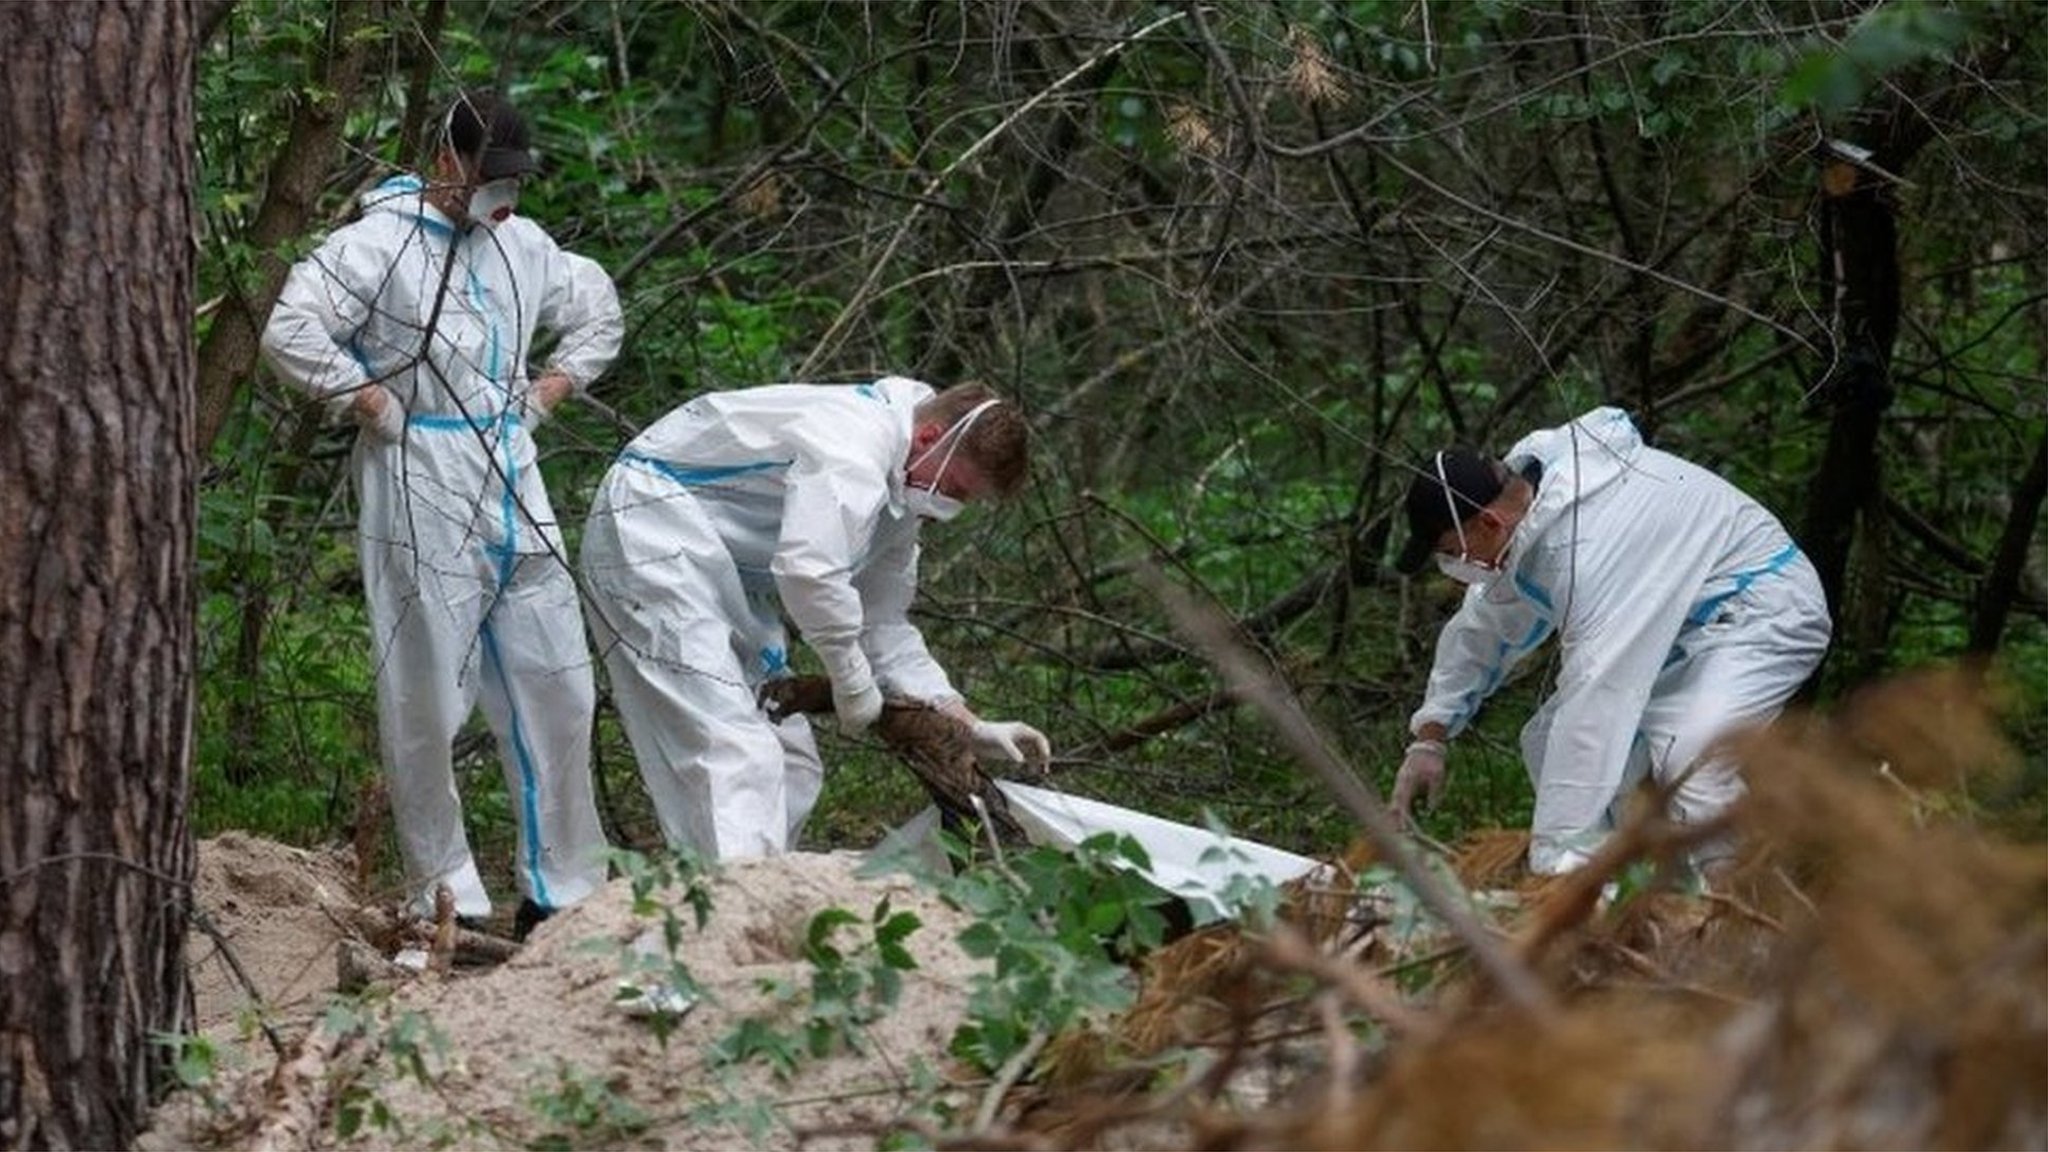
{"points": [[802, 498], [1683, 608]]}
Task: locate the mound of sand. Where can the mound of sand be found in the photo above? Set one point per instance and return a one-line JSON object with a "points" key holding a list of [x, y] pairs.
{"points": [[276, 911], [538, 1049]]}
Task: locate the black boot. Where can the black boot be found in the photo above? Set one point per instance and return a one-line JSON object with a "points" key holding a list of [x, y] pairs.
{"points": [[524, 920]]}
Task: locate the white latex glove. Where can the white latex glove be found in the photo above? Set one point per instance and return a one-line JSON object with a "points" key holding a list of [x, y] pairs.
{"points": [[857, 706], [377, 410], [1011, 740], [1422, 769], [856, 699]]}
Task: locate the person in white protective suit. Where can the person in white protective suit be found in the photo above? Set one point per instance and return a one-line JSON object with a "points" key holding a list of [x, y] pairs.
{"points": [[798, 498], [1683, 610], [417, 320]]}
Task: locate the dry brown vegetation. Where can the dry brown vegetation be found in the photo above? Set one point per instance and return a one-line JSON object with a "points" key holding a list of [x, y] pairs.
{"points": [[1875, 974]]}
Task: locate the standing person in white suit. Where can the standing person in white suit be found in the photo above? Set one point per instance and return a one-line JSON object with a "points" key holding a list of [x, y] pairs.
{"points": [[1683, 608], [802, 498], [418, 320]]}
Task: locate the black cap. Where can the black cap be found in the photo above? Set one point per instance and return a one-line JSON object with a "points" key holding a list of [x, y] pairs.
{"points": [[483, 121], [1457, 476]]}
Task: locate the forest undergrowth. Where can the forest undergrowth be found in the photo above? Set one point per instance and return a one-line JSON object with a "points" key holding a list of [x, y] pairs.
{"points": [[1872, 973]]}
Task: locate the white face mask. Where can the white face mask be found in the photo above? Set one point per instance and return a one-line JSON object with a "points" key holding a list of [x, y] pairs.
{"points": [[1466, 570], [931, 503], [492, 203]]}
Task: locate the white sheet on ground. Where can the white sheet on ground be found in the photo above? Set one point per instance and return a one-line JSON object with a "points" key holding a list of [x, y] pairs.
{"points": [[1193, 863]]}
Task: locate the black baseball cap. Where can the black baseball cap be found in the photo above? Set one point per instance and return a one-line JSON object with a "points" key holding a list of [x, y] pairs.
{"points": [[483, 121], [1456, 477]]}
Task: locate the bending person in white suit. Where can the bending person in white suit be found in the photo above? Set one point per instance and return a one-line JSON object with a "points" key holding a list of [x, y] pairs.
{"points": [[417, 321], [741, 505], [1683, 608]]}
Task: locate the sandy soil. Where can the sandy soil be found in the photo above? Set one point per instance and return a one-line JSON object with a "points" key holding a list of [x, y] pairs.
{"points": [[538, 1049]]}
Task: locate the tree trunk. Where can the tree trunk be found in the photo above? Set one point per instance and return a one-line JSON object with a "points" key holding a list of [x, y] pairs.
{"points": [[1860, 266], [209, 16], [2002, 583], [1860, 269], [97, 528], [298, 173], [246, 752], [415, 143], [228, 355]]}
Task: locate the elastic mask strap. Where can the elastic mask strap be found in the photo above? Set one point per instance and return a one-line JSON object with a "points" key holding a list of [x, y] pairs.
{"points": [[952, 440], [1457, 521], [448, 137]]}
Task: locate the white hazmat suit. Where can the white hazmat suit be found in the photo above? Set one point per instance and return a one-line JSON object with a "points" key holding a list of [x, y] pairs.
{"points": [[1683, 608], [788, 496], [470, 597]]}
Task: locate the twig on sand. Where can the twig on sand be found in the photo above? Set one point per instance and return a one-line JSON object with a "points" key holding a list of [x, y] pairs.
{"points": [[1007, 1076], [300, 1089], [204, 923]]}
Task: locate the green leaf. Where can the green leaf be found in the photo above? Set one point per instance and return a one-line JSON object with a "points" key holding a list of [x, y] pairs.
{"points": [[1892, 36], [1103, 919], [1826, 81], [898, 928], [980, 940], [818, 937]]}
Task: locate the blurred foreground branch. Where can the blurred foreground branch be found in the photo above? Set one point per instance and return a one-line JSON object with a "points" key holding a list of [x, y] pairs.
{"points": [[1246, 675]]}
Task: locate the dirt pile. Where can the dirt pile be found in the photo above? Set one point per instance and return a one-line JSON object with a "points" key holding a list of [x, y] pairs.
{"points": [[539, 1049], [277, 913]]}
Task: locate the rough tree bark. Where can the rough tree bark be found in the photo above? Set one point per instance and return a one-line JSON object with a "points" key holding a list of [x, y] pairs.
{"points": [[97, 609]]}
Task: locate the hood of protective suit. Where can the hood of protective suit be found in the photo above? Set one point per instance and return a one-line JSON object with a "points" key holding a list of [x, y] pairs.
{"points": [[1577, 460], [405, 196]]}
